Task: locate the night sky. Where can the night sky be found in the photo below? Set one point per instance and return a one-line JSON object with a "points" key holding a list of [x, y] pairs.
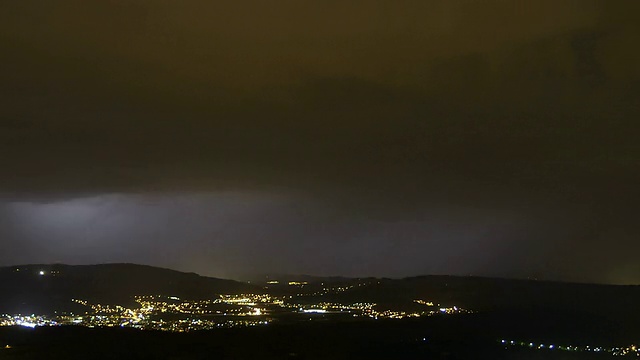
{"points": [[326, 137]]}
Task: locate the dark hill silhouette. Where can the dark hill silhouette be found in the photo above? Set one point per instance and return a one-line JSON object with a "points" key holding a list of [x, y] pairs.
{"points": [[493, 294], [25, 290], [486, 294], [517, 304]]}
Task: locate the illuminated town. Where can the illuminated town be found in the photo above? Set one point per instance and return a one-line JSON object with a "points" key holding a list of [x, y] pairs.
{"points": [[295, 301], [275, 306], [170, 313]]}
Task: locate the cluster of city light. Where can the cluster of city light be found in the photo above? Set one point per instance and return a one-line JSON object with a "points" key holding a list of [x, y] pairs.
{"points": [[32, 321], [422, 302], [131, 321], [369, 309], [150, 312], [328, 306], [338, 289], [331, 290], [250, 299], [616, 351], [193, 315], [439, 309], [40, 272], [394, 314]]}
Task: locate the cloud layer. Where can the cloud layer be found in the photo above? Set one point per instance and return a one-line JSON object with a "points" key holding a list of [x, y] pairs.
{"points": [[365, 112]]}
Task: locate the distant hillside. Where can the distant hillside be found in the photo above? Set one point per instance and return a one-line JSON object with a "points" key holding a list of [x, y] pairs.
{"points": [[509, 294], [613, 302], [47, 288], [482, 293]]}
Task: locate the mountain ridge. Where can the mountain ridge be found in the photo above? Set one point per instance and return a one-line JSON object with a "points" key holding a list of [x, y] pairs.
{"points": [[42, 288], [45, 288]]}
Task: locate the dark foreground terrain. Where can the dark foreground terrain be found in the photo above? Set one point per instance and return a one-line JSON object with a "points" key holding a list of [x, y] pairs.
{"points": [[461, 337]]}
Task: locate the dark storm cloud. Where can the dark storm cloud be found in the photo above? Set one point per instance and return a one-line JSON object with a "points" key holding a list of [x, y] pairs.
{"points": [[232, 234], [372, 112]]}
